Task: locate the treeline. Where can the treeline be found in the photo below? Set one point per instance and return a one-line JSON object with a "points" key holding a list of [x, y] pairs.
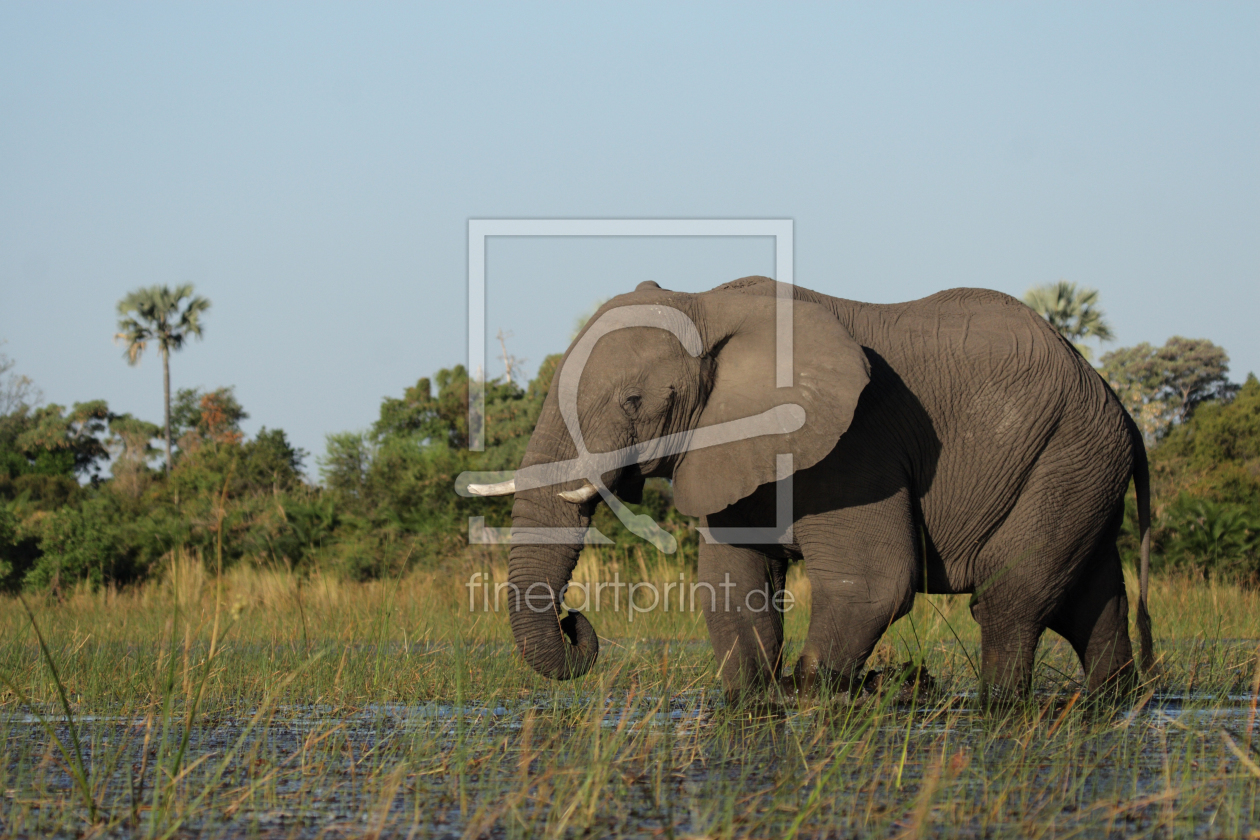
{"points": [[1202, 435], [385, 501], [385, 496], [1205, 487]]}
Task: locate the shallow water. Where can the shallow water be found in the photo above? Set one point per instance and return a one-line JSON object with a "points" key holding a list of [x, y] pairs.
{"points": [[569, 762], [353, 749], [693, 707]]}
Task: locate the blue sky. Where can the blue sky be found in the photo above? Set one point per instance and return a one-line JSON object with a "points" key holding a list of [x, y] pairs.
{"points": [[311, 168]]}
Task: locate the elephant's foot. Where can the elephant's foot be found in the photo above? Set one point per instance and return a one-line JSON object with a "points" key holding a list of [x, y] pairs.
{"points": [[811, 680], [999, 700], [745, 707], [802, 682], [909, 683]]}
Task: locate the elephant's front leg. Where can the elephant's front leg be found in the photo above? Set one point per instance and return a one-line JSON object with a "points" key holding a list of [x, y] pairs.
{"points": [[849, 613], [860, 564], [739, 592]]}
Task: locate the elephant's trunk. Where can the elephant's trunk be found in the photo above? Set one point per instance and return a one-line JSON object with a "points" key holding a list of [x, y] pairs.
{"points": [[538, 572]]}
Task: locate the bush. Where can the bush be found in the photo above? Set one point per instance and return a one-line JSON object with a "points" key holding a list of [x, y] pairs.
{"points": [[8, 542], [388, 500], [1205, 489], [93, 542], [1212, 537]]}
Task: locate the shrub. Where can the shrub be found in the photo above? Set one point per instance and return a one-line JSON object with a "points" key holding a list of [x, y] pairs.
{"points": [[1212, 537], [91, 542]]}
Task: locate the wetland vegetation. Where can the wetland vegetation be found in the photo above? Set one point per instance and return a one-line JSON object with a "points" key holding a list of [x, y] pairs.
{"points": [[269, 704]]}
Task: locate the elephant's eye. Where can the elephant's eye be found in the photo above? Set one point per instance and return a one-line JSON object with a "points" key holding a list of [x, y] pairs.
{"points": [[630, 403]]}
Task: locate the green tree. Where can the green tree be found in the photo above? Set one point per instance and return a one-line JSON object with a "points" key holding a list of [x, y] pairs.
{"points": [[272, 447], [428, 417], [1192, 371], [200, 417], [1073, 311], [130, 442], [1162, 386], [1229, 431], [98, 541], [156, 314], [53, 441], [344, 467], [270, 460]]}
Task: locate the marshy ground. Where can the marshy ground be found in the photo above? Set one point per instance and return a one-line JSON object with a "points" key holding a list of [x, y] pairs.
{"points": [[263, 704]]}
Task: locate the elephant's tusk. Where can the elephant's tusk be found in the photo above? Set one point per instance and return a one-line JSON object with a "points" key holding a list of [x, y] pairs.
{"points": [[584, 493], [503, 488]]}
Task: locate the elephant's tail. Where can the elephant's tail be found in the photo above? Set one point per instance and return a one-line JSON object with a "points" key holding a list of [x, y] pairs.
{"points": [[1142, 484]]}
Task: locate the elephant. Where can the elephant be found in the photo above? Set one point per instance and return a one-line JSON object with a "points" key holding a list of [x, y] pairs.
{"points": [[953, 444]]}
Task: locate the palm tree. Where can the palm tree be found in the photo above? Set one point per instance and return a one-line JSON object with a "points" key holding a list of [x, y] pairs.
{"points": [[158, 317], [1073, 311]]}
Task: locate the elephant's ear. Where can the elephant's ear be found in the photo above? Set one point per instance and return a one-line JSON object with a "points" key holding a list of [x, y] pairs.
{"points": [[829, 371]]}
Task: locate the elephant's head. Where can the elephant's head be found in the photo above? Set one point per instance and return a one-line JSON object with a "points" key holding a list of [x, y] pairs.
{"points": [[648, 385]]}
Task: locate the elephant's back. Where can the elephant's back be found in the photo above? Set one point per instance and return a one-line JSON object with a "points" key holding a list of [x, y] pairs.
{"points": [[984, 354], [979, 330], [994, 392], [971, 352]]}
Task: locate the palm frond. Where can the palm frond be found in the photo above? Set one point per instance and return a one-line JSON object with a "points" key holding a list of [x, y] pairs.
{"points": [[154, 314], [1073, 311]]}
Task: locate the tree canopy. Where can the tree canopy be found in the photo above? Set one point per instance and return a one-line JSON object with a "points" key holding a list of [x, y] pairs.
{"points": [[1162, 386], [1206, 487], [52, 440]]}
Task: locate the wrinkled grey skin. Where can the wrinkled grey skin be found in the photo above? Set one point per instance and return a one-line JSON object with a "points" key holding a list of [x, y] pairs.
{"points": [[952, 444]]}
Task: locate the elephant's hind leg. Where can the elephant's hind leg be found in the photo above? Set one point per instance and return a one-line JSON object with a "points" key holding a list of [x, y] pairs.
{"points": [[1094, 618], [1010, 604], [1010, 607], [1008, 646], [1045, 555], [1030, 566]]}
